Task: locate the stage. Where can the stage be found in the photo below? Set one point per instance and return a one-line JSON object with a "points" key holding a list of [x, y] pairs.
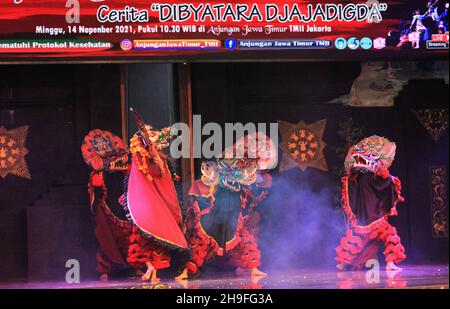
{"points": [[412, 276]]}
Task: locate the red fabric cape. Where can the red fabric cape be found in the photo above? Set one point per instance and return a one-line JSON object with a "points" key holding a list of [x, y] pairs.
{"points": [[154, 207], [106, 231]]}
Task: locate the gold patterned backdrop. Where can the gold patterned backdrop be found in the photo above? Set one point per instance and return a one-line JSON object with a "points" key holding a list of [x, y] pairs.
{"points": [[13, 152], [302, 145], [439, 207]]}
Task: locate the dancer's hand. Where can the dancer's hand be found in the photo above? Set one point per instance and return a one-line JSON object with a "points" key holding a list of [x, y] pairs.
{"points": [[393, 212], [97, 180]]}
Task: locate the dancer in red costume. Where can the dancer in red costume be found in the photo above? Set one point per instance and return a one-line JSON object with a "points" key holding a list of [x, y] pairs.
{"points": [[152, 203], [251, 217], [266, 153], [369, 197], [221, 211], [105, 153]]}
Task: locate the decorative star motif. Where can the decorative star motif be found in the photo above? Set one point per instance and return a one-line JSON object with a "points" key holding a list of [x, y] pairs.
{"points": [[13, 152], [302, 145], [434, 120]]}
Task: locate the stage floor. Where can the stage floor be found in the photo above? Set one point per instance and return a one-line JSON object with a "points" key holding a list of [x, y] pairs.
{"points": [[412, 276]]}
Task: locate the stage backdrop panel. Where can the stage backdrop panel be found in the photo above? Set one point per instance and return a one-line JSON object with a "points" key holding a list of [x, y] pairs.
{"points": [[42, 216]]}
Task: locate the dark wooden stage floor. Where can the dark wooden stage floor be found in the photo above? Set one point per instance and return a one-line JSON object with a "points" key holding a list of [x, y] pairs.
{"points": [[412, 276]]}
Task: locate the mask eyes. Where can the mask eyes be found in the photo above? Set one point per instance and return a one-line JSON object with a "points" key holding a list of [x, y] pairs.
{"points": [[208, 166]]}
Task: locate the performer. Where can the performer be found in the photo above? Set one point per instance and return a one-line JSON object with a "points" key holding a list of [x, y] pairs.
{"points": [[152, 203], [105, 153], [221, 212], [215, 204], [251, 217], [369, 196]]}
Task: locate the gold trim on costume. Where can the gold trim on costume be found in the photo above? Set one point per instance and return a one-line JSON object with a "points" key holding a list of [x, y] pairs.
{"points": [[143, 156]]}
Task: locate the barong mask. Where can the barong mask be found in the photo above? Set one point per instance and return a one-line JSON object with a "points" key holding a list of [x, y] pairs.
{"points": [[159, 138], [370, 154], [230, 173], [104, 151]]}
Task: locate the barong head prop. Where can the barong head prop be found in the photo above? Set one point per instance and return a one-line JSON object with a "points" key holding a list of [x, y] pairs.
{"points": [[160, 139], [256, 145], [230, 173], [240, 163], [104, 151], [370, 154]]}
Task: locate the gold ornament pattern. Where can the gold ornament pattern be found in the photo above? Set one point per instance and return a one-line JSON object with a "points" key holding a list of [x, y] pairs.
{"points": [[434, 120], [302, 145], [13, 152], [439, 203]]}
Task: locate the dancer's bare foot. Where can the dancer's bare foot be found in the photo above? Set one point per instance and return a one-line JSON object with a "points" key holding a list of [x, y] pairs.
{"points": [[104, 277], [148, 274], [155, 278], [340, 266], [392, 273], [257, 273], [183, 276], [255, 281], [392, 266], [184, 284]]}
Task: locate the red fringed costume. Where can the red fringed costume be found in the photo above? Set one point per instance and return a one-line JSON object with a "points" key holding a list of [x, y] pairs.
{"points": [[213, 232], [152, 204], [144, 249], [221, 213], [249, 233], [150, 201], [106, 153], [369, 196]]}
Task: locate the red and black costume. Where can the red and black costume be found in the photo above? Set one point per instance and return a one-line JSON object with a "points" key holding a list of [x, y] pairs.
{"points": [[251, 218], [369, 196], [105, 153], [150, 200], [221, 215]]}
